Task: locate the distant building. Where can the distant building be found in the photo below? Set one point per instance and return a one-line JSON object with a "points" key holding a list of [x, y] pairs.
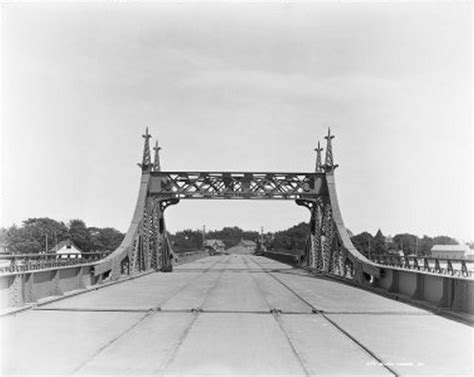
{"points": [[214, 246], [67, 247], [248, 244], [3, 247], [451, 251], [398, 253]]}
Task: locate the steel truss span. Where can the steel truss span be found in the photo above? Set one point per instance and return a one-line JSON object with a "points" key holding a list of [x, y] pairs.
{"points": [[146, 245], [236, 185]]}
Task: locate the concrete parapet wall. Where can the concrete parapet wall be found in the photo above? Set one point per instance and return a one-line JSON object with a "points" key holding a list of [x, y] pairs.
{"points": [[441, 291], [452, 293], [22, 288], [19, 289]]}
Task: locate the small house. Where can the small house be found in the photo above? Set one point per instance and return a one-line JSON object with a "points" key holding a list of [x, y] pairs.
{"points": [[249, 245], [214, 246], [67, 249]]}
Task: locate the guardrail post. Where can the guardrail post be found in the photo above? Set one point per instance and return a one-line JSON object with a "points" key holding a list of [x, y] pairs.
{"points": [[394, 286], [15, 291], [448, 293], [56, 287], [426, 264], [420, 287], [80, 278], [462, 300], [28, 287]]}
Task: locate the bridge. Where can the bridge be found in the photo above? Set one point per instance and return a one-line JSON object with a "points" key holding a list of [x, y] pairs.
{"points": [[332, 311]]}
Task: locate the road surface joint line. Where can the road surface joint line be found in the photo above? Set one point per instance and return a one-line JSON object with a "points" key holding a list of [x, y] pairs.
{"points": [[182, 338], [276, 315], [97, 310], [341, 330], [379, 360], [415, 314], [113, 340]]}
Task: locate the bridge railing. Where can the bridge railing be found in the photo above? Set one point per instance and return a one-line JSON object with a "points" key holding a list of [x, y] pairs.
{"points": [[285, 256], [12, 263], [444, 266]]}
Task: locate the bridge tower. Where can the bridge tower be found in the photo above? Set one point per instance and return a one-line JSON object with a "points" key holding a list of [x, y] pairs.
{"points": [[146, 245]]}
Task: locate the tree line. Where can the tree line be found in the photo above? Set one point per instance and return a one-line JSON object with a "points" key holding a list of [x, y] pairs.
{"points": [[39, 234], [408, 244], [294, 239], [193, 239]]}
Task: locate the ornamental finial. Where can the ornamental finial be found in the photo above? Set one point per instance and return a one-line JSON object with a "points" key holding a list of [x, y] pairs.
{"points": [[156, 162], [146, 161], [319, 167], [329, 160]]}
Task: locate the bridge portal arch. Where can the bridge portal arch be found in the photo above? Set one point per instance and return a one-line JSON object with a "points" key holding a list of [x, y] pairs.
{"points": [[146, 245]]}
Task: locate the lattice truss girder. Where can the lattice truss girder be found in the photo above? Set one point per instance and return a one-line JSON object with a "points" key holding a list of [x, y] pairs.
{"points": [[150, 242], [203, 185], [325, 251]]}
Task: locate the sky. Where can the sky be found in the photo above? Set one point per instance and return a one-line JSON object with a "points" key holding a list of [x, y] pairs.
{"points": [[239, 87]]}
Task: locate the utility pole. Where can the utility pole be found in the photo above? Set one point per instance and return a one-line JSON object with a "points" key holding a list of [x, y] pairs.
{"points": [[203, 235], [46, 247], [368, 237]]}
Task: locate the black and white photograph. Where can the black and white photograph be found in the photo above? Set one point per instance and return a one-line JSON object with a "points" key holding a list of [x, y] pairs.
{"points": [[236, 188]]}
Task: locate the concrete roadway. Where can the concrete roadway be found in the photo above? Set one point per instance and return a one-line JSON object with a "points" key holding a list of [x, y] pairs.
{"points": [[148, 326]]}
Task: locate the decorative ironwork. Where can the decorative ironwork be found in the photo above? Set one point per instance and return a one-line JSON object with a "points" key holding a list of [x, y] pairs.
{"points": [[444, 266], [329, 160], [156, 161], [319, 166], [13, 263], [146, 160], [235, 185]]}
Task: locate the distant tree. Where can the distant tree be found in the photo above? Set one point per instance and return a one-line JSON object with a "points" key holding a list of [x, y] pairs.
{"points": [[79, 235], [444, 240], [365, 243], [293, 238], [406, 242], [96, 239], [104, 238], [380, 247], [187, 240], [250, 235], [230, 235], [36, 235], [424, 245]]}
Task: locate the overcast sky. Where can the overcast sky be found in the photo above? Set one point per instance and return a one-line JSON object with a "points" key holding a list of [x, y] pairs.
{"points": [[239, 87]]}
